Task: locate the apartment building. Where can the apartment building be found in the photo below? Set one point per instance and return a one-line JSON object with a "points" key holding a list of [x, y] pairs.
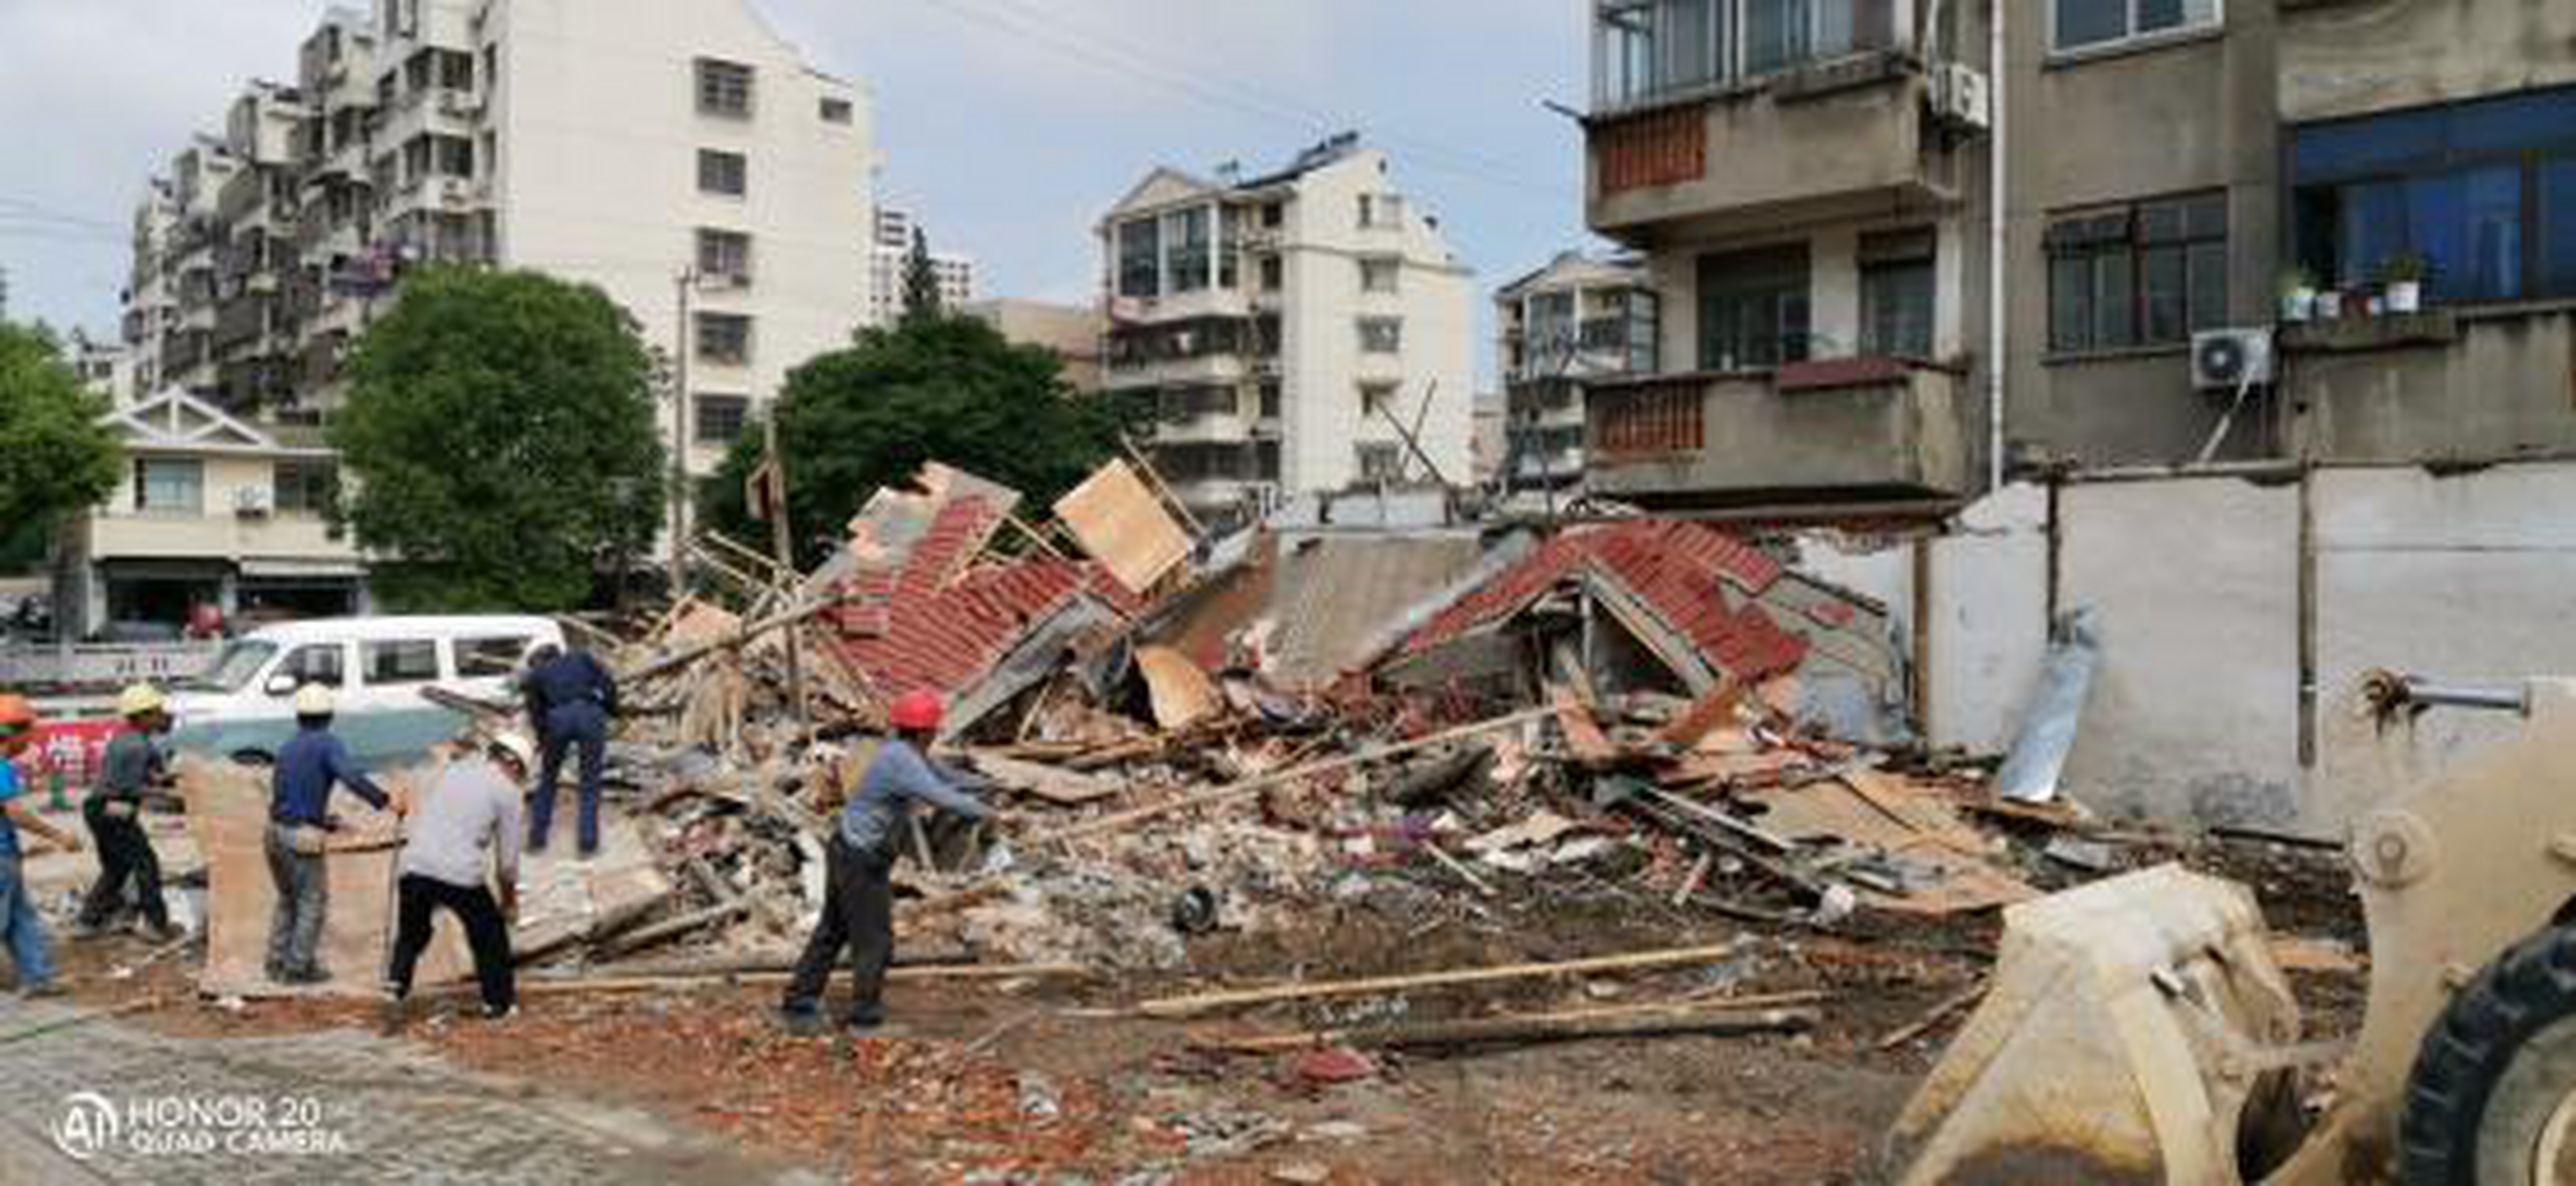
{"points": [[105, 368], [670, 152], [1305, 330], [1574, 322], [677, 154], [890, 261], [1846, 321]]}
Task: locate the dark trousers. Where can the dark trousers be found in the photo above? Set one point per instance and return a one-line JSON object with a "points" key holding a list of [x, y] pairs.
{"points": [[418, 899], [858, 913], [584, 725], [124, 854], [303, 898]]}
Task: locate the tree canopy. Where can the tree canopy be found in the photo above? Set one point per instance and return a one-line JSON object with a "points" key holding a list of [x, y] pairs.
{"points": [[54, 456], [500, 436], [920, 281], [948, 389]]}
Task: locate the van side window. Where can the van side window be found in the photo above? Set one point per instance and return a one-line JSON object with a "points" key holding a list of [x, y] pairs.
{"points": [[479, 657], [322, 663], [400, 661]]}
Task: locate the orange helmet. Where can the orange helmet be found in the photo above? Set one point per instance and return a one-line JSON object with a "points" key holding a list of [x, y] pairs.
{"points": [[16, 715], [918, 710]]}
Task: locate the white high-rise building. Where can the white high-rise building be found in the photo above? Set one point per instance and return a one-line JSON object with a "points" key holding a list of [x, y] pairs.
{"points": [[638, 145], [1308, 330], [890, 258]]}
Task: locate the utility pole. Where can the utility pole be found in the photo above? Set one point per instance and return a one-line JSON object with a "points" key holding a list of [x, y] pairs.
{"points": [[687, 284]]}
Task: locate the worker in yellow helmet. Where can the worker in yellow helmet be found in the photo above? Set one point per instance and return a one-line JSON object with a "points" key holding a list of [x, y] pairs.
{"points": [[135, 770]]}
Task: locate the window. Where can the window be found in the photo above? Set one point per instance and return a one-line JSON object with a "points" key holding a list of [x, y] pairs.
{"points": [[1753, 309], [2084, 24], [1381, 275], [1265, 460], [1381, 462], [1274, 273], [2484, 192], [1550, 334], [725, 173], [721, 418], [169, 486], [323, 664], [1381, 335], [484, 658], [2148, 274], [1376, 399], [398, 661], [1381, 211], [1646, 50], [1188, 264], [836, 111], [724, 88], [724, 338], [1140, 251], [454, 156], [724, 255], [305, 487], [1270, 399], [1180, 405], [1274, 215], [1896, 294]]}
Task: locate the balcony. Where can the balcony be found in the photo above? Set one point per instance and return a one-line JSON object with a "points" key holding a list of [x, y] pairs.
{"points": [[1810, 432], [2458, 384], [1820, 113]]}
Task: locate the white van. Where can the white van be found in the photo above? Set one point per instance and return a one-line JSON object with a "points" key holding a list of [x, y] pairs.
{"points": [[375, 667]]}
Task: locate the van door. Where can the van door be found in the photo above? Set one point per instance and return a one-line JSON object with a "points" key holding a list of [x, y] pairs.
{"points": [[384, 718], [487, 665]]}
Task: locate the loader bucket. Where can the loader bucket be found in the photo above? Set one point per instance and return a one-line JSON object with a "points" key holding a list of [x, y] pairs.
{"points": [[2118, 1041]]}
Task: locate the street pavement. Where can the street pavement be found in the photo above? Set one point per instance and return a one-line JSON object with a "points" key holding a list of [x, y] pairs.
{"points": [[94, 1100]]}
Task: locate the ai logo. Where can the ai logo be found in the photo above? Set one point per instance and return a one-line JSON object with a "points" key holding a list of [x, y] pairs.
{"points": [[87, 1126]]}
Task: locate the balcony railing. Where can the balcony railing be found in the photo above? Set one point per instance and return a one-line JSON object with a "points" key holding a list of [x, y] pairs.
{"points": [[1649, 51]]}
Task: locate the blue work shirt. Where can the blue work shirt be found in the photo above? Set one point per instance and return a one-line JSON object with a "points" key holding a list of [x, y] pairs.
{"points": [[307, 766], [569, 678], [10, 788], [895, 779]]}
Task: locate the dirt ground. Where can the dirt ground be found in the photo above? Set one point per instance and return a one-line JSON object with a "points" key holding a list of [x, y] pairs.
{"points": [[1028, 1081]]}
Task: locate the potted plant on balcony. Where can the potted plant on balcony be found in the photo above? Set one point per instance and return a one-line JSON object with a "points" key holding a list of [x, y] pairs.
{"points": [[2402, 276], [2298, 296]]}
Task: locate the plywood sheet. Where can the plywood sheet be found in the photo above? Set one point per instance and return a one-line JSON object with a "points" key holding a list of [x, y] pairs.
{"points": [[1182, 692], [1124, 527], [228, 815]]}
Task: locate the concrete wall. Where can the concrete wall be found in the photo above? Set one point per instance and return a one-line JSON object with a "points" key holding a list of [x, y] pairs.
{"points": [[2360, 56], [1899, 437], [2504, 387], [1874, 129]]}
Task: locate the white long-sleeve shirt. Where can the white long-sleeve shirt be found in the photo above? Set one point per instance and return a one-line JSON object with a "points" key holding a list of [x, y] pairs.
{"points": [[466, 817]]}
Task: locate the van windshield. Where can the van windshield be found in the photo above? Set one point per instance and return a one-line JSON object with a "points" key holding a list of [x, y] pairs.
{"points": [[234, 668]]}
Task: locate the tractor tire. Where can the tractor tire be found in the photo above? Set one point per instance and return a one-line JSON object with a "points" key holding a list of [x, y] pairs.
{"points": [[2492, 1097]]}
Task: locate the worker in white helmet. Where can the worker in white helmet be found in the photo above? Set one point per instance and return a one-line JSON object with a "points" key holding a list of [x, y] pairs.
{"points": [[134, 770], [461, 842], [299, 829]]}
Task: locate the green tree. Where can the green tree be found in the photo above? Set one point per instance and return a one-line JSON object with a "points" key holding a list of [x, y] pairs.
{"points": [[948, 389], [501, 443], [920, 281], [54, 457]]}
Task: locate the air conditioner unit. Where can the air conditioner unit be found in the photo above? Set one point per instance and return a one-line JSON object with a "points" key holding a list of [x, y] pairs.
{"points": [[2230, 359], [252, 502], [1961, 98]]}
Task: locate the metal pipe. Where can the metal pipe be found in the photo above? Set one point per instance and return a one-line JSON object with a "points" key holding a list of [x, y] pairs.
{"points": [[2387, 692]]}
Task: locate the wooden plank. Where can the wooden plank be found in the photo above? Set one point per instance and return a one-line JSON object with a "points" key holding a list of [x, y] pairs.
{"points": [[1247, 788], [1181, 692], [1187, 1006], [1717, 1015], [1055, 784], [1119, 522], [1583, 736], [1714, 710]]}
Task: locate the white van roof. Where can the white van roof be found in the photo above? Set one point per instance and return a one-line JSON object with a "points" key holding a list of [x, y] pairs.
{"points": [[421, 626]]}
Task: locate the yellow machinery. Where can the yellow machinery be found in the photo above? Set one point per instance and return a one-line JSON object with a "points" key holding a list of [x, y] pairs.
{"points": [[2138, 1030]]}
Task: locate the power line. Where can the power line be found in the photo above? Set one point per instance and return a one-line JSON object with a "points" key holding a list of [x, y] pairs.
{"points": [[1307, 119], [1494, 167]]}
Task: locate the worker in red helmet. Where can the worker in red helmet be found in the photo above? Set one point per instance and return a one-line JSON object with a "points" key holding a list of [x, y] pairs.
{"points": [[858, 904], [22, 930]]}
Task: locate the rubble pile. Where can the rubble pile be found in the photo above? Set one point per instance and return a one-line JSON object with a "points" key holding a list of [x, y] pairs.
{"points": [[1644, 712]]}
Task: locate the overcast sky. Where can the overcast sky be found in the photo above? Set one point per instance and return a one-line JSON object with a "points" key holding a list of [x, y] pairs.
{"points": [[1008, 125]]}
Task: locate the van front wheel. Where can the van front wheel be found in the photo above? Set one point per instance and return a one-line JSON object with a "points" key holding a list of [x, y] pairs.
{"points": [[252, 757]]}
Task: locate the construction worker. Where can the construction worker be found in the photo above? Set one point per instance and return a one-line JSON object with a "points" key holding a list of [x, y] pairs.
{"points": [[299, 829], [571, 697], [463, 839], [20, 925], [858, 903], [135, 768]]}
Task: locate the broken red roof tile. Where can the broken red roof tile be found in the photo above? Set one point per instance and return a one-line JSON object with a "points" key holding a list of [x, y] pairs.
{"points": [[1678, 571]]}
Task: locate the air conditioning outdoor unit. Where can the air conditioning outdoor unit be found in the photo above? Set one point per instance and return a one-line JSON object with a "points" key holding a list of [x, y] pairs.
{"points": [[1961, 98], [252, 502], [2231, 359]]}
